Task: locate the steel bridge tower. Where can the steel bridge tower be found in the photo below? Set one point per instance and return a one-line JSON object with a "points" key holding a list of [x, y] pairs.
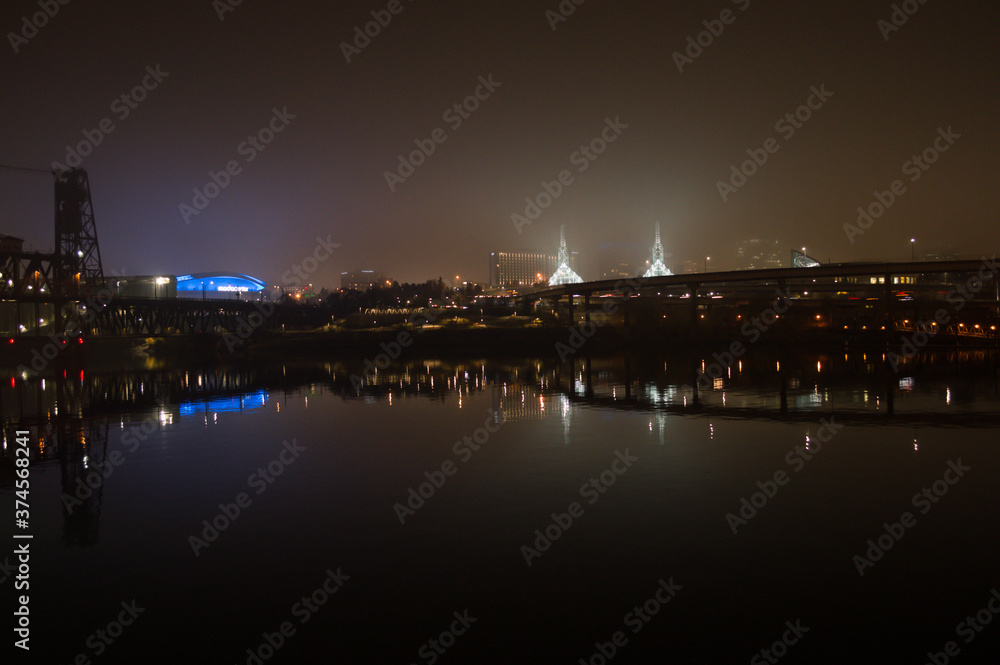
{"points": [[78, 265]]}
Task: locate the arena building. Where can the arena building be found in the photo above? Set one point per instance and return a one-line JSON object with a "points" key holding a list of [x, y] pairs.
{"points": [[220, 285]]}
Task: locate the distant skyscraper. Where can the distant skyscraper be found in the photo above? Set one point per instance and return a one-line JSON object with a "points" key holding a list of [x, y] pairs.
{"points": [[757, 254], [564, 274], [620, 269], [657, 269], [618, 259], [689, 266], [362, 280]]}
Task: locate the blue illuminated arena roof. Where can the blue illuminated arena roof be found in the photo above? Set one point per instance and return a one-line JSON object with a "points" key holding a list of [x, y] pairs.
{"points": [[226, 404], [224, 282]]}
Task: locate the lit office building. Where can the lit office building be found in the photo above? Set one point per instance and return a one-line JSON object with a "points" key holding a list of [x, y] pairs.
{"points": [[362, 280], [757, 254], [520, 268]]}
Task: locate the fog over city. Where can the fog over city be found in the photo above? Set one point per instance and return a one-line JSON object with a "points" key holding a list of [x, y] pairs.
{"points": [[420, 135]]}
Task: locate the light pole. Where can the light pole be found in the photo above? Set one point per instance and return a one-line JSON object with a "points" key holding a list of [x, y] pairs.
{"points": [[912, 241], [707, 259]]}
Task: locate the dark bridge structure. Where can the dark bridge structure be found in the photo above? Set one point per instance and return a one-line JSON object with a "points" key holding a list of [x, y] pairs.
{"points": [[67, 292], [893, 295], [64, 291]]}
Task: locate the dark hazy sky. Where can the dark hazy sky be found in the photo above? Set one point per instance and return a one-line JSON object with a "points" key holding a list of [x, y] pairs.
{"points": [[324, 173]]}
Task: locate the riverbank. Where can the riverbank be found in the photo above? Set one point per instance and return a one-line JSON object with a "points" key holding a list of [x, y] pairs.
{"points": [[555, 342], [541, 341]]}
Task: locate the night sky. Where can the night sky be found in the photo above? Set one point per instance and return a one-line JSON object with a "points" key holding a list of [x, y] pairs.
{"points": [[678, 132]]}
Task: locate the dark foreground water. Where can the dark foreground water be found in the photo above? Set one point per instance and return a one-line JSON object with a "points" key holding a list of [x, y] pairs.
{"points": [[616, 519]]}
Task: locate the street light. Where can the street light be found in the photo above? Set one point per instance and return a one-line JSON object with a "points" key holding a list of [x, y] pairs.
{"points": [[160, 281], [912, 241], [707, 259]]}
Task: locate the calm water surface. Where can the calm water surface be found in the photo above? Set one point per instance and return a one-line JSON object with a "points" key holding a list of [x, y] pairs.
{"points": [[646, 478]]}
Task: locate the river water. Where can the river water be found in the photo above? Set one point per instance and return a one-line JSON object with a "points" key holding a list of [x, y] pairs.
{"points": [[816, 505]]}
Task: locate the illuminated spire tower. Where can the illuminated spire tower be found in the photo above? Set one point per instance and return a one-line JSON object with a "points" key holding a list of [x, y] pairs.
{"points": [[564, 274], [657, 269]]}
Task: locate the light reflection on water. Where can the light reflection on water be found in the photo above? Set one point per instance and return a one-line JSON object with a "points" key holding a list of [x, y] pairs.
{"points": [[190, 439]]}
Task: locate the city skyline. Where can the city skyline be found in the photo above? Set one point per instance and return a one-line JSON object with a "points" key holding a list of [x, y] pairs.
{"points": [[781, 126], [395, 331]]}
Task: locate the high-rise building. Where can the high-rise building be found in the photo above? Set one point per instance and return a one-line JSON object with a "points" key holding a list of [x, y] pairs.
{"points": [[362, 280], [689, 266], [520, 268], [617, 259], [618, 270], [757, 254]]}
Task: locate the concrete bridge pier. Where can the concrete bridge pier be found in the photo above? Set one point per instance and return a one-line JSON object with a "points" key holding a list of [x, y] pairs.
{"points": [[887, 298], [695, 375], [693, 290], [890, 392], [783, 290], [783, 387], [782, 303]]}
